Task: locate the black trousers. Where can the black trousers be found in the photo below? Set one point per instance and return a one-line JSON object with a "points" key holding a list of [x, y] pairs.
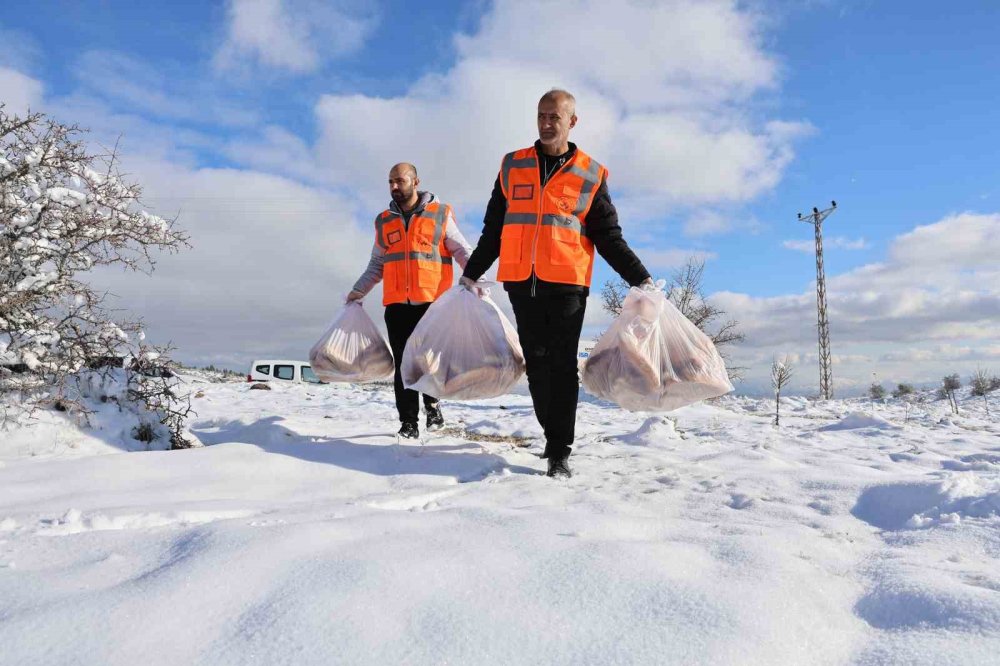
{"points": [[400, 320], [549, 328]]}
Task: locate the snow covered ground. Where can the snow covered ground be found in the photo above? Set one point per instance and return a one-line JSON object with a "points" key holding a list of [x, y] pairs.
{"points": [[302, 534]]}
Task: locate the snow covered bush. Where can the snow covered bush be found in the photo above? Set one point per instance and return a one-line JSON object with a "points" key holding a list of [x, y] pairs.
{"points": [[903, 390], [152, 384], [876, 391], [145, 386], [63, 212], [982, 385]]}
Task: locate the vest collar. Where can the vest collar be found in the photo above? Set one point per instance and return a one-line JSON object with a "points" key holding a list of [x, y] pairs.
{"points": [[568, 154]]}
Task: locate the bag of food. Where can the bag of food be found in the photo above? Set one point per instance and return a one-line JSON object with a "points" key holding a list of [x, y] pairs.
{"points": [[653, 358], [352, 349], [463, 348]]}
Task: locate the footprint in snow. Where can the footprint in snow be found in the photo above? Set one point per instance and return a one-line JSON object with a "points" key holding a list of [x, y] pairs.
{"points": [[820, 506], [422, 502], [668, 480], [739, 501], [75, 521], [708, 485]]}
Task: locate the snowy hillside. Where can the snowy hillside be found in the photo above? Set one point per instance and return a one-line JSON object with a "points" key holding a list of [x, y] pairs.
{"points": [[302, 534]]}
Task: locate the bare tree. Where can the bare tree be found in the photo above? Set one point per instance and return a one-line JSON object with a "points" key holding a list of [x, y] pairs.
{"points": [[781, 374], [982, 384], [950, 384], [63, 212], [685, 291], [613, 296], [905, 392]]}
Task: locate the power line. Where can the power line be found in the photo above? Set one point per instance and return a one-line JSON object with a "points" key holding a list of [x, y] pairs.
{"points": [[825, 363]]}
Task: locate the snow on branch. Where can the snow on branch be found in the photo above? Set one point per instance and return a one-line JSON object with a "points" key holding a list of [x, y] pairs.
{"points": [[64, 211]]}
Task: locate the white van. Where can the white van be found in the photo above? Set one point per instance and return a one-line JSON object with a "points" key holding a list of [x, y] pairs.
{"points": [[286, 371]]}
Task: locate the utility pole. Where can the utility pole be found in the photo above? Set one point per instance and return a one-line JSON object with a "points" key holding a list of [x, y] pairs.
{"points": [[825, 370]]}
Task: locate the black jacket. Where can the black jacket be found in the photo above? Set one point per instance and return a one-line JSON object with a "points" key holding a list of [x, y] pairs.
{"points": [[601, 228]]}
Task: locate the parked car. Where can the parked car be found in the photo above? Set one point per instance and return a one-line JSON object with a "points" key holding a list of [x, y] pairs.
{"points": [[287, 371], [583, 352]]}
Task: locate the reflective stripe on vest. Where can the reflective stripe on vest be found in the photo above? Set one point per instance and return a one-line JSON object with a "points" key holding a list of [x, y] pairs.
{"points": [[417, 265], [544, 228]]}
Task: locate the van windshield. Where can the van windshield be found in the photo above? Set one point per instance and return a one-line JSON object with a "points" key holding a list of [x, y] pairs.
{"points": [[309, 376]]}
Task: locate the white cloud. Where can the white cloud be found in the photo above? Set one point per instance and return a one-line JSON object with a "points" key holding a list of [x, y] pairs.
{"points": [[945, 354], [836, 242], [663, 93], [455, 130], [909, 356], [277, 150], [270, 263], [680, 54], [843, 243], [663, 262], [683, 160], [19, 92], [706, 222], [19, 50], [703, 221], [966, 241], [162, 91], [799, 245], [149, 138], [292, 35], [939, 283]]}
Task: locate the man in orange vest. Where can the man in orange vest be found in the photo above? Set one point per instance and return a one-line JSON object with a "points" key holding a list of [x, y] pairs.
{"points": [[549, 211], [416, 239]]}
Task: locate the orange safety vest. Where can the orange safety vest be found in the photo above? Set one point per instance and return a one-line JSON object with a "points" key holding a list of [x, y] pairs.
{"points": [[544, 228], [417, 264]]}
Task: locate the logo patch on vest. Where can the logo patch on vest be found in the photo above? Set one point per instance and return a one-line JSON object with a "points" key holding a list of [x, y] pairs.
{"points": [[565, 204], [522, 192], [395, 237]]}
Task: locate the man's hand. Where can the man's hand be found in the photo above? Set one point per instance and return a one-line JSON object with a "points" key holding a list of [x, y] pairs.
{"points": [[354, 295], [471, 285], [649, 285]]}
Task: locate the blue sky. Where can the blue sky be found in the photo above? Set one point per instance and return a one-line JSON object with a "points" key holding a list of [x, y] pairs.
{"points": [[719, 122]]}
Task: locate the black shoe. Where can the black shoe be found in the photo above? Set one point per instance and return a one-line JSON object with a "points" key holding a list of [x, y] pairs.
{"points": [[408, 431], [559, 468], [435, 420]]}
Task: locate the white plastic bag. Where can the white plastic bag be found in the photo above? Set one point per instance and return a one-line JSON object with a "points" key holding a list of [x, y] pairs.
{"points": [[653, 358], [352, 349], [462, 348]]}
